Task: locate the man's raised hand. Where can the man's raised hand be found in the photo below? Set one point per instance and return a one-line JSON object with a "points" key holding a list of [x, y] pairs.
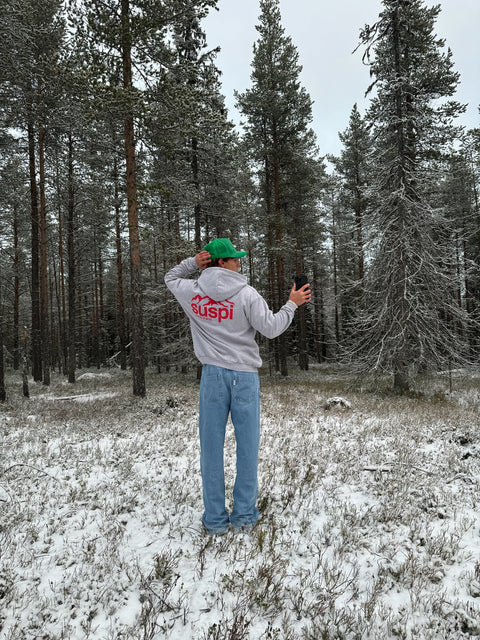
{"points": [[202, 259]]}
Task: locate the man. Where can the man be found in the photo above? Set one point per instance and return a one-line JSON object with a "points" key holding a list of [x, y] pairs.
{"points": [[224, 313]]}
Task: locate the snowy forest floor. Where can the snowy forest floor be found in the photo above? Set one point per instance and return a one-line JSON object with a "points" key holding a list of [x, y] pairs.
{"points": [[370, 522]]}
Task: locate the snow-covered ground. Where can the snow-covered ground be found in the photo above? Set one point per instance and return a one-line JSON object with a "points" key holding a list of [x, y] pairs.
{"points": [[370, 515]]}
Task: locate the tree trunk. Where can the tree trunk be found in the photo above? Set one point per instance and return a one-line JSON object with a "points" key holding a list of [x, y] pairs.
{"points": [[120, 300], [71, 267], [155, 262], [319, 319], [132, 206], [95, 354], [16, 293], [80, 341], [58, 339], [62, 316], [282, 341], [45, 333], [35, 292], [196, 184], [335, 277], [401, 380], [3, 393], [273, 350], [101, 307], [302, 340], [54, 333], [25, 389], [197, 212], [301, 317], [359, 228]]}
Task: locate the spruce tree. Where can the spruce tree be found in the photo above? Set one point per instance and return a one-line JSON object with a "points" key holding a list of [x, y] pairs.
{"points": [[410, 316], [352, 167]]}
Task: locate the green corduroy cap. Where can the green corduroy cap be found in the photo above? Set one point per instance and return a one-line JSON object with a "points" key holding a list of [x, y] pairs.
{"points": [[223, 248]]}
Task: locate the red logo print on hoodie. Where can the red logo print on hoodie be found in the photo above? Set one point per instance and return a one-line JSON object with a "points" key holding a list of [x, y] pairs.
{"points": [[205, 307]]}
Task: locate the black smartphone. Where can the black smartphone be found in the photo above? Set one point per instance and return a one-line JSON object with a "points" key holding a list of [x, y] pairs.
{"points": [[300, 281]]}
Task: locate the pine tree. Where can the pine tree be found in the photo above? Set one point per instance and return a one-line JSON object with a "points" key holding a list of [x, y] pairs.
{"points": [[31, 35], [125, 30], [14, 233], [130, 46], [282, 145], [191, 176], [410, 315]]}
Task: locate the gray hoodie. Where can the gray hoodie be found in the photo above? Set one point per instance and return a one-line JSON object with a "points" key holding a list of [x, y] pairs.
{"points": [[224, 313]]}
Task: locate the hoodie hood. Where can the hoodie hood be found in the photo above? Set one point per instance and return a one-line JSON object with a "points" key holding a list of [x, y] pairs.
{"points": [[220, 284]]}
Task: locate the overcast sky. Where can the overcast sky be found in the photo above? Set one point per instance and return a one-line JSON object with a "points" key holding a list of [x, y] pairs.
{"points": [[325, 34]]}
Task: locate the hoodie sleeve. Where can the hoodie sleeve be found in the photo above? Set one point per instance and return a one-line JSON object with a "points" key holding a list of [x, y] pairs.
{"points": [[265, 321], [176, 279]]}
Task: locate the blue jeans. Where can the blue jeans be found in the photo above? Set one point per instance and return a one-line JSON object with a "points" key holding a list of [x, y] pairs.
{"points": [[223, 391]]}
